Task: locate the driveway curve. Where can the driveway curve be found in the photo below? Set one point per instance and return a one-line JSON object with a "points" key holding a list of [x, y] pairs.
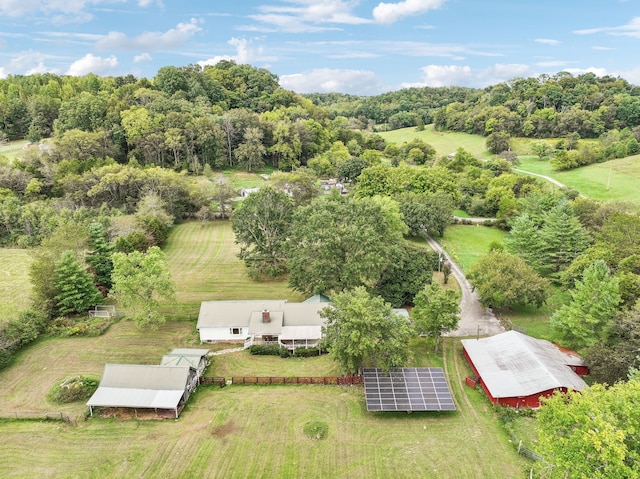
{"points": [[475, 319]]}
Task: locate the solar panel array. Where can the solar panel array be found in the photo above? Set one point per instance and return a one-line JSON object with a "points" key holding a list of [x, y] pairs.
{"points": [[407, 389]]}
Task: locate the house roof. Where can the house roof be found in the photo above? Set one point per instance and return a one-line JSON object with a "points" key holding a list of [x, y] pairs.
{"points": [[258, 327], [184, 357], [512, 364], [142, 386], [317, 298], [300, 332], [219, 314]]}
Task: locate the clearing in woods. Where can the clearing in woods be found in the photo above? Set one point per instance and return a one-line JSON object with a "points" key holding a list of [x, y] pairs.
{"points": [[239, 431], [15, 286]]}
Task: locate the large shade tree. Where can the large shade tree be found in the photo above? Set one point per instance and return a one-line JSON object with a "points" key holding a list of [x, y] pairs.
{"points": [[590, 434], [339, 243], [504, 280], [262, 224], [363, 331], [436, 312], [140, 280]]}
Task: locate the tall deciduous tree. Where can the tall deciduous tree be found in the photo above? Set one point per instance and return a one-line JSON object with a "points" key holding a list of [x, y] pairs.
{"points": [[261, 225], [436, 312], [592, 310], [410, 268], [140, 280], [590, 434], [363, 331], [251, 151], [504, 280], [75, 291], [339, 243]]}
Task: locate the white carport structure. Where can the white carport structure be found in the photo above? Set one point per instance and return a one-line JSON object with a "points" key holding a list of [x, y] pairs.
{"points": [[143, 387]]}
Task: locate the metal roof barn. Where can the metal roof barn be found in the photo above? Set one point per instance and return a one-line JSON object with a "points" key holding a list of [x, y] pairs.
{"points": [[515, 369], [143, 387]]}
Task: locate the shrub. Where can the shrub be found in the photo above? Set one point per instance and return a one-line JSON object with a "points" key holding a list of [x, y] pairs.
{"points": [[77, 388], [306, 352], [269, 350]]}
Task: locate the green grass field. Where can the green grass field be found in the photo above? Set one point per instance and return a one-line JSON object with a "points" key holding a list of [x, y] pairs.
{"points": [[466, 243], [12, 149], [443, 142], [15, 286], [204, 264], [257, 431], [239, 431], [614, 180]]}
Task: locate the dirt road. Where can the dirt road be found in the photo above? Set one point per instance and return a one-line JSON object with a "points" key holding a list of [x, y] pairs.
{"points": [[475, 319]]}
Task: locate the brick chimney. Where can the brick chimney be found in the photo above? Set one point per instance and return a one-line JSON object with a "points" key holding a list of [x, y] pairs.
{"points": [[266, 317]]}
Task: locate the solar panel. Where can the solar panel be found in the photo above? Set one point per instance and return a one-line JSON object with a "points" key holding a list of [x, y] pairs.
{"points": [[407, 389]]}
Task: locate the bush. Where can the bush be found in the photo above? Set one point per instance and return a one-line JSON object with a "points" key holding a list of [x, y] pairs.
{"points": [[307, 352], [269, 350], [18, 332], [77, 388]]}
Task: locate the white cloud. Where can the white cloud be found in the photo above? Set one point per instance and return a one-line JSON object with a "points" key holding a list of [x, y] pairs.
{"points": [[26, 63], [172, 38], [547, 41], [92, 64], [457, 75], [581, 71], [325, 80], [552, 63], [392, 12], [305, 16], [631, 29], [604, 49], [57, 11], [143, 57], [246, 52]]}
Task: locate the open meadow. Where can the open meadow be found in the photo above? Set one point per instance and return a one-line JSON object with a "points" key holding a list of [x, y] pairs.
{"points": [[239, 431], [444, 142], [15, 286], [613, 180], [467, 243]]}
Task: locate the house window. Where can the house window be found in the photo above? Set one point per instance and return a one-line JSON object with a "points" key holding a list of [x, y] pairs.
{"points": [[236, 330]]}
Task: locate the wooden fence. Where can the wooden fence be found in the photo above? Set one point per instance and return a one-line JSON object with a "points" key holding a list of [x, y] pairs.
{"points": [[222, 382], [31, 416], [340, 380]]}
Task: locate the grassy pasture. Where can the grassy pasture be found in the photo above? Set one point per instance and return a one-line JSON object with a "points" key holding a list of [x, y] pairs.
{"points": [[12, 149], [621, 176], [467, 243], [204, 264], [443, 142], [257, 431], [15, 286]]}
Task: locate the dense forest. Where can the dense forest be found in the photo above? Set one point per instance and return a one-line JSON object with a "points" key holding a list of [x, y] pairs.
{"points": [[115, 162]]}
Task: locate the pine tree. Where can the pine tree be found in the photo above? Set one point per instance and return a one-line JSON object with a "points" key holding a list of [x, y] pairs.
{"points": [[99, 258], [75, 291], [594, 303]]}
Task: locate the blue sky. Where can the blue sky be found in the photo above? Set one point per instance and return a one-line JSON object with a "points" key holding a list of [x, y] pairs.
{"points": [[349, 46]]}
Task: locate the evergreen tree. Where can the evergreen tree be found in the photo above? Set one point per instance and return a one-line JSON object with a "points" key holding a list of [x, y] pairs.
{"points": [[563, 238], [524, 241], [99, 258], [592, 310], [75, 291]]}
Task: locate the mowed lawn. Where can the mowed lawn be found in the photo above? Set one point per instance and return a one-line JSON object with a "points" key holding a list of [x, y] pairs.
{"points": [[257, 432], [15, 285], [467, 243], [204, 265], [239, 431]]}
